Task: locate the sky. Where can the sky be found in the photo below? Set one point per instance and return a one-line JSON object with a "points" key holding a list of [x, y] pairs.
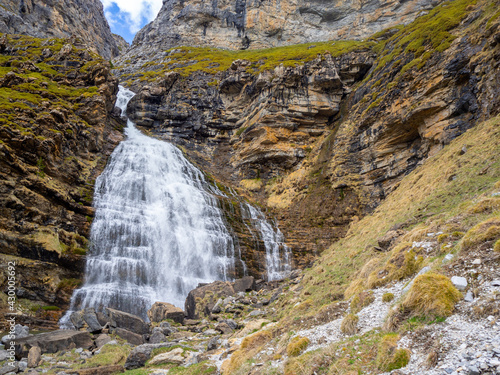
{"points": [[127, 17]]}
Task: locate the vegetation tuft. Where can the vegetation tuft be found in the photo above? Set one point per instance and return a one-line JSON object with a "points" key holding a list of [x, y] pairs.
{"points": [[297, 346], [389, 357], [349, 325], [431, 296]]}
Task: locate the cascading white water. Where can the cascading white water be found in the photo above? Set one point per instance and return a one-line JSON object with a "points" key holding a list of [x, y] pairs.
{"points": [[278, 255], [158, 229]]}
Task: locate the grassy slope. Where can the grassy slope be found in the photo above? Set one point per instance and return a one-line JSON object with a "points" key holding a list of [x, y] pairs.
{"points": [[450, 192], [444, 187]]}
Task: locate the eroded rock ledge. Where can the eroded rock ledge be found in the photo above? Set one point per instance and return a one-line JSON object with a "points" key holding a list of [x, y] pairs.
{"points": [[56, 132]]}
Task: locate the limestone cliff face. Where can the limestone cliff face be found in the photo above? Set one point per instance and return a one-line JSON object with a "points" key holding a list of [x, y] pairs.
{"points": [[61, 19], [324, 142], [241, 24], [55, 134]]}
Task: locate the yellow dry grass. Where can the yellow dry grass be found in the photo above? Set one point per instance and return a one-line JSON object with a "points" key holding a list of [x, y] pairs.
{"points": [[488, 230], [431, 296], [297, 346], [389, 357], [349, 325]]}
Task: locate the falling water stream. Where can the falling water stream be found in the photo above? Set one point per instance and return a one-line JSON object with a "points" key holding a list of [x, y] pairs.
{"points": [[159, 231]]}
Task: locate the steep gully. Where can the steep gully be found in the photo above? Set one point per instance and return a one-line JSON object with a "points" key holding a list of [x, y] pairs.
{"points": [[160, 230]]}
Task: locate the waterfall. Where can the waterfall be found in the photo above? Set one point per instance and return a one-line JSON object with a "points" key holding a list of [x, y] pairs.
{"points": [[278, 255], [158, 230]]}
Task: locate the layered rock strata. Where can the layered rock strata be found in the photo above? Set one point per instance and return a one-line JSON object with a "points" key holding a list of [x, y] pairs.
{"points": [[324, 142], [244, 24], [56, 132]]}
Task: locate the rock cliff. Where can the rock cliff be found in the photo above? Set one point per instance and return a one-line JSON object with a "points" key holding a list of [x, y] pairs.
{"points": [[242, 24], [324, 132], [55, 134], [61, 19]]}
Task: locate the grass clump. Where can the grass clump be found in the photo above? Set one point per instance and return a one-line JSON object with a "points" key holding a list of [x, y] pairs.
{"points": [[252, 184], [110, 355], [69, 284], [488, 230], [361, 300], [496, 247], [387, 297], [255, 340], [349, 325], [297, 346], [50, 308], [389, 357], [431, 296], [249, 347]]}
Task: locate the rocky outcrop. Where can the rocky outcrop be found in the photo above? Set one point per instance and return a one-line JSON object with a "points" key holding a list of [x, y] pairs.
{"points": [[55, 135], [324, 142], [253, 128], [255, 24], [61, 19]]}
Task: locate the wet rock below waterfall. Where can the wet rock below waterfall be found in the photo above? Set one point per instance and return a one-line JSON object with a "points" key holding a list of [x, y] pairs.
{"points": [[120, 319]]}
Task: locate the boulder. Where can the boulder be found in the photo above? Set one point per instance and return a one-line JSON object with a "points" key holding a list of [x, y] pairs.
{"points": [[231, 323], [163, 310], [6, 368], [213, 344], [202, 299], [130, 337], [174, 356], [77, 319], [157, 336], [101, 340], [20, 332], [388, 239], [167, 329], [459, 282], [129, 322], [138, 357], [224, 328], [245, 284], [52, 342], [89, 317], [140, 354], [34, 356]]}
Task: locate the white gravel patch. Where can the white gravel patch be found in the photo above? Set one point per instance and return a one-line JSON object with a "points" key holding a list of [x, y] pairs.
{"points": [[370, 317], [465, 346]]}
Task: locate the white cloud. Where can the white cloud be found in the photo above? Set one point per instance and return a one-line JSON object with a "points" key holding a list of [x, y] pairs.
{"points": [[133, 12]]}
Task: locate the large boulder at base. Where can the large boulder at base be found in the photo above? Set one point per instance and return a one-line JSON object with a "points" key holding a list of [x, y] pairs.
{"points": [[86, 318], [120, 319], [201, 300], [53, 342], [93, 325], [163, 310], [245, 284], [130, 337]]}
